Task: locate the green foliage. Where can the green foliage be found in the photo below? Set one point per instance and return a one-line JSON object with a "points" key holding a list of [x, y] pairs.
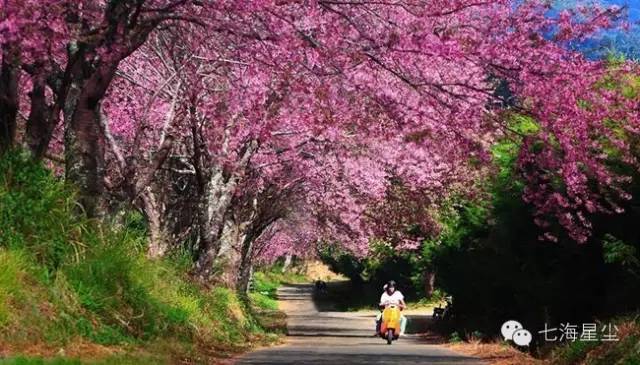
{"points": [[263, 291], [623, 352], [64, 277], [369, 274], [36, 212], [620, 253], [342, 262], [266, 282], [263, 296], [631, 89], [496, 268], [455, 337], [629, 85], [270, 278], [436, 298], [263, 301], [13, 266]]}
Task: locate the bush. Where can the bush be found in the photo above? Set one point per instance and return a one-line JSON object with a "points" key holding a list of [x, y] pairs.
{"points": [[36, 212]]}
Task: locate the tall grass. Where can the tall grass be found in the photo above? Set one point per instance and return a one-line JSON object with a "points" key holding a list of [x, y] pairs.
{"points": [[65, 278]]}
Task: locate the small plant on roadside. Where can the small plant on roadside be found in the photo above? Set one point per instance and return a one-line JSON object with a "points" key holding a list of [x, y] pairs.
{"points": [[454, 337]]}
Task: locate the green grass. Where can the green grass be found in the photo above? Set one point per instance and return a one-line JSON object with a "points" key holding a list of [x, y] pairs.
{"points": [[266, 283], [263, 301], [269, 279], [263, 296], [65, 279], [113, 360], [20, 360], [573, 352], [626, 351]]}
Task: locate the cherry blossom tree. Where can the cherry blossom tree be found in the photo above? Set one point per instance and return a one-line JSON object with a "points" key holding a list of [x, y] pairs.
{"points": [[421, 89], [71, 51], [270, 113]]}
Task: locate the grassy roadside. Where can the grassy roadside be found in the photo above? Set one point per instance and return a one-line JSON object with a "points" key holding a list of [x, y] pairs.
{"points": [[77, 291], [625, 351], [266, 283], [263, 295]]}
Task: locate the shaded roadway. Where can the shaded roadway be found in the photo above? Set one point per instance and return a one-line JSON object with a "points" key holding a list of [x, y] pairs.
{"points": [[327, 337]]}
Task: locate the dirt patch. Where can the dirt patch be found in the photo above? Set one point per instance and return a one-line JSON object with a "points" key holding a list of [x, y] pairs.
{"points": [[274, 321], [285, 306], [316, 270], [495, 353]]}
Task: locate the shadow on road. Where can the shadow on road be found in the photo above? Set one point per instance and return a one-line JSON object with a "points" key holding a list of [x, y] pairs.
{"points": [[320, 334], [339, 295], [313, 358], [343, 296]]}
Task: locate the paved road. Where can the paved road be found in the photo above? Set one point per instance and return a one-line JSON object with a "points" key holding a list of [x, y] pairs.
{"points": [[336, 338]]}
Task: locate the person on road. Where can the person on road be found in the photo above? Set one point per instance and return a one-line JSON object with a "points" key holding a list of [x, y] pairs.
{"points": [[391, 296]]}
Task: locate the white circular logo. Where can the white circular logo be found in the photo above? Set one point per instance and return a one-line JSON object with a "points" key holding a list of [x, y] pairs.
{"points": [[522, 337], [508, 328]]}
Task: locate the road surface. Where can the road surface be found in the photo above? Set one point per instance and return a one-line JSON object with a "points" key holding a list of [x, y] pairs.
{"points": [[337, 338]]}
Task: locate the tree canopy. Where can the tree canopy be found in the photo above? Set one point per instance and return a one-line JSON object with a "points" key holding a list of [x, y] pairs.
{"points": [[254, 128]]}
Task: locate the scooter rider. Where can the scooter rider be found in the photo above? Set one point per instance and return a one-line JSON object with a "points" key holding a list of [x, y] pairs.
{"points": [[391, 296]]}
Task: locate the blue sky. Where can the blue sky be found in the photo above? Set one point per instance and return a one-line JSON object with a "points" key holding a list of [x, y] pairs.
{"points": [[632, 5], [627, 43]]}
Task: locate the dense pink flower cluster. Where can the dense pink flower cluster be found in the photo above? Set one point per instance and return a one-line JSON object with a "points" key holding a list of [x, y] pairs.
{"points": [[334, 103]]}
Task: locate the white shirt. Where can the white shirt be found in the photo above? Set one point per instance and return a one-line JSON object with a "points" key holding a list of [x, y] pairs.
{"points": [[394, 298]]}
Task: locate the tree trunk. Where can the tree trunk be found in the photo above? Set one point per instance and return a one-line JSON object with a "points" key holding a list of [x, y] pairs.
{"points": [[158, 238], [244, 282], [84, 140], [42, 119], [247, 251], [212, 207], [288, 259], [84, 156], [210, 229], [246, 265], [229, 253], [9, 76], [207, 252], [429, 283], [216, 201], [212, 210]]}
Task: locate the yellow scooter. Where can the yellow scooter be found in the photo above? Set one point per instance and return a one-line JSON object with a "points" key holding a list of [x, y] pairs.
{"points": [[390, 325]]}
